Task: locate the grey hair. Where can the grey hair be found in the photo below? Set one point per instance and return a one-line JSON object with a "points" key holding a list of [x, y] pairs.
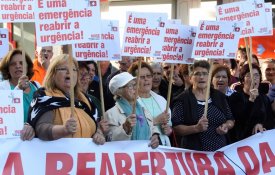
{"points": [[155, 65]]}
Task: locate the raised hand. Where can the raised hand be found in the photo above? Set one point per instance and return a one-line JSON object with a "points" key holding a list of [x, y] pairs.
{"points": [[23, 82]]}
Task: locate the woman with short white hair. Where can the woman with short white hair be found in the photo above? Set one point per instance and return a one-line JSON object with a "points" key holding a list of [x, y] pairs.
{"points": [[124, 125]]}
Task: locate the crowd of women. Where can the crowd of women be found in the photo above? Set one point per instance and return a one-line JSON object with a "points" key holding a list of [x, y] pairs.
{"points": [[241, 103]]}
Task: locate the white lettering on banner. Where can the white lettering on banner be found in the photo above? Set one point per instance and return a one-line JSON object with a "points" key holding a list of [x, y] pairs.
{"points": [[254, 155]]}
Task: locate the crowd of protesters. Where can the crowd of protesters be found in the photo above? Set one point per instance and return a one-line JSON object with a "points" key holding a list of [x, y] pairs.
{"points": [[241, 103]]}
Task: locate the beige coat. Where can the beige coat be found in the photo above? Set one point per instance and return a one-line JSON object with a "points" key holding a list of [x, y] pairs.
{"points": [[116, 117]]}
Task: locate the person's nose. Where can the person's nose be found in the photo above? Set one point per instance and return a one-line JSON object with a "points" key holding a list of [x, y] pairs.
{"points": [[18, 65]]}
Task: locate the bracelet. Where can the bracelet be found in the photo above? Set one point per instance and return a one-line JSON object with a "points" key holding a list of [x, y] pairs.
{"points": [[26, 123]]}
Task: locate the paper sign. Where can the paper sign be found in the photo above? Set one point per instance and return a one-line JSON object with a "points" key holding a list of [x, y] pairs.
{"points": [[252, 13], [143, 35], [11, 113], [66, 21], [17, 10], [178, 44], [216, 39], [268, 13], [4, 42], [106, 49]]}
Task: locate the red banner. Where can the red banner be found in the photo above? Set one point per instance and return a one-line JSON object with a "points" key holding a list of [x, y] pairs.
{"points": [[262, 46]]}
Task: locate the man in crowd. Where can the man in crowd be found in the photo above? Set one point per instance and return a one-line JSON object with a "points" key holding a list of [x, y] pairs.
{"points": [[41, 63]]}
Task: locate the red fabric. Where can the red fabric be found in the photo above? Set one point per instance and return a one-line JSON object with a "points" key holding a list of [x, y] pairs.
{"points": [[267, 42]]}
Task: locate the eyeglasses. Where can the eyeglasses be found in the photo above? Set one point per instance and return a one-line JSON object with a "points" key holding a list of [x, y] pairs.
{"points": [[149, 76], [200, 74], [65, 69], [130, 86]]}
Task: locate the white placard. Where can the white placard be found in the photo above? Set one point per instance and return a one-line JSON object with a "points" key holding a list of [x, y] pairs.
{"points": [[252, 13], [66, 21], [178, 44], [11, 113], [106, 49], [143, 34], [17, 10], [216, 39], [268, 13], [4, 42]]}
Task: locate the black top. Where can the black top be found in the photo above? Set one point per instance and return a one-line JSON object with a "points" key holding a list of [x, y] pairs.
{"points": [[246, 113], [187, 110]]}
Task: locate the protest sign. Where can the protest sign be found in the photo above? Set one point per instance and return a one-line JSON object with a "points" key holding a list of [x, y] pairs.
{"points": [[143, 34], [268, 13], [216, 39], [178, 44], [252, 13], [66, 21], [254, 155], [105, 49], [16, 10], [11, 113], [4, 42]]}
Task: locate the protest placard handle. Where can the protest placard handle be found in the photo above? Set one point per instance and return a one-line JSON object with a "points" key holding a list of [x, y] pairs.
{"points": [[249, 58], [101, 89], [137, 87], [170, 87], [208, 89], [71, 64], [23, 49]]}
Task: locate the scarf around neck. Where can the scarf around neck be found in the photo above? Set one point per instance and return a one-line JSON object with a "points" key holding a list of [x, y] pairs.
{"points": [[141, 130]]}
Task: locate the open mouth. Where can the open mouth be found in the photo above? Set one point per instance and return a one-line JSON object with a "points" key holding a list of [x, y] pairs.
{"points": [[67, 79], [19, 72], [45, 56]]}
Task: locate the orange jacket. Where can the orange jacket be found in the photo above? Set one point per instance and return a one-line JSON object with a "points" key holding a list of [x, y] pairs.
{"points": [[39, 72]]}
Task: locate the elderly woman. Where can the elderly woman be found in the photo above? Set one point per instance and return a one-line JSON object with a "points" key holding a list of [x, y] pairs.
{"points": [[254, 108], [124, 125], [84, 79], [221, 78], [184, 74], [153, 102], [204, 133], [50, 113], [12, 70]]}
